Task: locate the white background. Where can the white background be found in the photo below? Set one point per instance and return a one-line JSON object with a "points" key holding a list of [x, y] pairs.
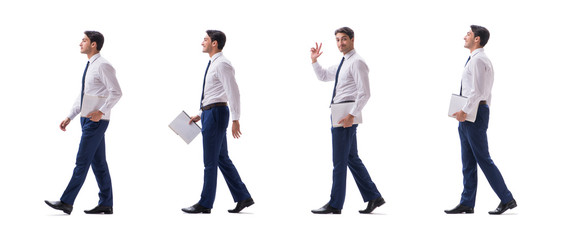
{"points": [[411, 148]]}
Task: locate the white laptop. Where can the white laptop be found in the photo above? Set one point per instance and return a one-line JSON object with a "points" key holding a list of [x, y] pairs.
{"points": [[457, 103], [340, 110]]}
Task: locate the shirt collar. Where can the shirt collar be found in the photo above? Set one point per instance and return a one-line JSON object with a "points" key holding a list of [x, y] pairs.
{"points": [[216, 56], [349, 54], [94, 57], [477, 51]]}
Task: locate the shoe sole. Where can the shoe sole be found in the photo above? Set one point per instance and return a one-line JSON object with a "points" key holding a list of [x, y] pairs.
{"points": [[103, 212], [336, 212], [462, 212], [204, 212]]}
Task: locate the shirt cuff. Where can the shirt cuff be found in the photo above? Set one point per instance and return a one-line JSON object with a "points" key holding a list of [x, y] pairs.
{"points": [[235, 117]]}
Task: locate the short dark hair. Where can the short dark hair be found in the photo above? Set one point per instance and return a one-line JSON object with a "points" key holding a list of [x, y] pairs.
{"points": [[482, 32], [96, 37], [345, 30], [219, 36]]}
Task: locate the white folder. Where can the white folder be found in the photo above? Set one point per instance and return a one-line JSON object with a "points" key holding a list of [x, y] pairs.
{"points": [[181, 127], [92, 103], [457, 103], [341, 110]]}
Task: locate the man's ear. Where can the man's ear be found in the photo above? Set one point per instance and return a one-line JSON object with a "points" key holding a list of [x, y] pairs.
{"points": [[214, 43], [93, 45]]}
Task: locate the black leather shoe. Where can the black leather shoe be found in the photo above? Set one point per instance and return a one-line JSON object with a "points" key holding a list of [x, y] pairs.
{"points": [[460, 209], [503, 207], [100, 209], [373, 204], [66, 208], [197, 208], [327, 209], [241, 205]]}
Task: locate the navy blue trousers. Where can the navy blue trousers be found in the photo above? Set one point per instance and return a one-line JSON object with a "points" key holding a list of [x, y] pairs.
{"points": [[214, 124], [344, 145], [474, 150], [91, 152]]}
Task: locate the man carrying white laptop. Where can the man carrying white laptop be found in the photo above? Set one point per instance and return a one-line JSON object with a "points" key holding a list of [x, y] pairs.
{"points": [[100, 93], [351, 87], [476, 86]]}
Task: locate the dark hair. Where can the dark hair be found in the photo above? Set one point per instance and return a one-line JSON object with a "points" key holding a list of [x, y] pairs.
{"points": [[482, 32], [345, 30], [219, 36], [96, 37]]}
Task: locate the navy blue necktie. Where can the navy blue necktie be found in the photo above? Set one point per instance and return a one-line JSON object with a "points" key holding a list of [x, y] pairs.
{"points": [[83, 78], [204, 84], [336, 77], [461, 89]]}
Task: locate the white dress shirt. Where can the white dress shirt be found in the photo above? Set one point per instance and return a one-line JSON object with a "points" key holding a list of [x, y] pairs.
{"points": [[353, 82], [100, 80], [221, 85], [477, 80]]}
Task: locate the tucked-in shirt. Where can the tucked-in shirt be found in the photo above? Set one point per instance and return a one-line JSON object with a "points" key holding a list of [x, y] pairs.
{"points": [[477, 80], [221, 85], [353, 80], [100, 80]]}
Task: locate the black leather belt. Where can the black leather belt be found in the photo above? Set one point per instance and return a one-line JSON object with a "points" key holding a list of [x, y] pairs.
{"points": [[483, 102], [213, 105]]}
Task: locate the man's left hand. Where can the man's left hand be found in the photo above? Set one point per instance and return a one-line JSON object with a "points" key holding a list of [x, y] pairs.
{"points": [[95, 116], [347, 121], [235, 129]]}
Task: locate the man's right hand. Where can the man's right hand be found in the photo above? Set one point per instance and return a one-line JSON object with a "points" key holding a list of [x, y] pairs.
{"points": [[315, 52], [460, 116], [194, 119], [64, 123]]}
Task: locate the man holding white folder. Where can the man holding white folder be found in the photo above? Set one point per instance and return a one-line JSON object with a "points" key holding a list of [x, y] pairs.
{"points": [[351, 86], [100, 93], [476, 86]]}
